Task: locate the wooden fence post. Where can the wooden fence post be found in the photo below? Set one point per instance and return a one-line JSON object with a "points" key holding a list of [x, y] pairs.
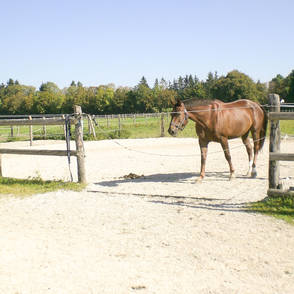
{"points": [[89, 125], [119, 125], [80, 144], [31, 132], [0, 165], [91, 128], [44, 130], [274, 144], [162, 125], [64, 128]]}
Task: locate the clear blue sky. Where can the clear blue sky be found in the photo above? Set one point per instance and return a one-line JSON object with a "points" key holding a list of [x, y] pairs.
{"points": [[108, 41]]}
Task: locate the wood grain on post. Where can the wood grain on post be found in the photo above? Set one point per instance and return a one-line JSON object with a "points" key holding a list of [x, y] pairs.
{"points": [[274, 144], [80, 144]]}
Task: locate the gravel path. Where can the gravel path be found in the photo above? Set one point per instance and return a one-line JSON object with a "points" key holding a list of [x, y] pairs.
{"points": [[159, 233]]}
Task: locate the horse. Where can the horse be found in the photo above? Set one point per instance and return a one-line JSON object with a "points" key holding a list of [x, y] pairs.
{"points": [[217, 121]]}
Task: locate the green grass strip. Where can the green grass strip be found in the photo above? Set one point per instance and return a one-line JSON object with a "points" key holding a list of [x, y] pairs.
{"points": [[279, 207], [24, 187]]}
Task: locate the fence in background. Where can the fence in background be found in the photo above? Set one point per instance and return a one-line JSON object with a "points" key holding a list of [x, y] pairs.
{"points": [[75, 119], [93, 126]]}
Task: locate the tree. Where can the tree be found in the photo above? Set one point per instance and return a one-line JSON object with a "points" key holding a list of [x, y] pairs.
{"points": [[278, 85], [144, 101], [118, 103], [236, 85], [209, 84], [49, 99], [143, 82], [290, 88], [74, 95], [10, 82], [16, 98]]}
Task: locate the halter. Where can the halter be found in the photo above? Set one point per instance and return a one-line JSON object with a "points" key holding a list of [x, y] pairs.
{"points": [[180, 125]]}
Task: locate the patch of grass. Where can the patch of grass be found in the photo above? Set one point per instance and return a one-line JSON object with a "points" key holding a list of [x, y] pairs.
{"points": [[23, 187], [287, 127], [280, 207]]}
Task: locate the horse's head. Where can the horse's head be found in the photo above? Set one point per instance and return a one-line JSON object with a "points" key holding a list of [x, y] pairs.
{"points": [[179, 118]]}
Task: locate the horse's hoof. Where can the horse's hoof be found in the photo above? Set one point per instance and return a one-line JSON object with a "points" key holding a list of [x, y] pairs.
{"points": [[199, 180], [253, 175], [232, 176]]}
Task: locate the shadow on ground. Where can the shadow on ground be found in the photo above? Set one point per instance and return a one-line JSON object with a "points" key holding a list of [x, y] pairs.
{"points": [[172, 178], [204, 203]]}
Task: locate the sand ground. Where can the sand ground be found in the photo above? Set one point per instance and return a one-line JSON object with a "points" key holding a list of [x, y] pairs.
{"points": [[159, 233]]}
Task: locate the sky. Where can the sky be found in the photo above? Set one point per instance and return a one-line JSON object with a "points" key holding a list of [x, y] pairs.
{"points": [[111, 41]]}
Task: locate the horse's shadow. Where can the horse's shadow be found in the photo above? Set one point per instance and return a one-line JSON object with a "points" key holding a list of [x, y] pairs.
{"points": [[171, 178], [154, 178]]}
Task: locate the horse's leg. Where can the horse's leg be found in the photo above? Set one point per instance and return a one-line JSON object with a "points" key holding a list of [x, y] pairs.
{"points": [[246, 142], [203, 148], [256, 141], [225, 146]]}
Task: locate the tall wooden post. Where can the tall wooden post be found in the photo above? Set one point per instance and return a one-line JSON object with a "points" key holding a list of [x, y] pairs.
{"points": [[31, 132], [274, 144], [162, 125], [0, 165], [80, 144], [119, 125], [44, 130], [64, 128], [89, 125]]}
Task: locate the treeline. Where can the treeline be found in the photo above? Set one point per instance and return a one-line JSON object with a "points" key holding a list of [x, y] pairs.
{"points": [[16, 98]]}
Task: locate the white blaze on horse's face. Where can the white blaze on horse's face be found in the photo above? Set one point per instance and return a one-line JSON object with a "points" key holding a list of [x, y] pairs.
{"points": [[179, 119]]}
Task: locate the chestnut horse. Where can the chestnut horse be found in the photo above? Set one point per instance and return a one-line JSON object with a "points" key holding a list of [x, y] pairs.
{"points": [[218, 122]]}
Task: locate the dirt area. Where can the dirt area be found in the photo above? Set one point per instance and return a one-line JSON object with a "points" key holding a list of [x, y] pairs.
{"points": [[143, 225]]}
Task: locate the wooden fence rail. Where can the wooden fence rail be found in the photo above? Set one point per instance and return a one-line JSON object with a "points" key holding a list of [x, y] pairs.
{"points": [[76, 120], [275, 187]]}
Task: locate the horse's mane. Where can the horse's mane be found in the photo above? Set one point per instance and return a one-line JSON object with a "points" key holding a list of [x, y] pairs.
{"points": [[193, 102]]}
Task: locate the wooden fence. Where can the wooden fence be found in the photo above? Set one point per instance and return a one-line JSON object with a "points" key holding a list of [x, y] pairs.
{"points": [[93, 125], [275, 156], [76, 120]]}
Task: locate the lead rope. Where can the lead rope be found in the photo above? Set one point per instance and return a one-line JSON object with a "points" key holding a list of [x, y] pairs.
{"points": [[67, 140]]}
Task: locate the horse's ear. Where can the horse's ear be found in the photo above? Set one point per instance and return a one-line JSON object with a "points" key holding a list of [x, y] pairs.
{"points": [[178, 102]]}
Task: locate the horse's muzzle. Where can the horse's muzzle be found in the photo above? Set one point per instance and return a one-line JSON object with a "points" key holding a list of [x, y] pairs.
{"points": [[172, 132]]}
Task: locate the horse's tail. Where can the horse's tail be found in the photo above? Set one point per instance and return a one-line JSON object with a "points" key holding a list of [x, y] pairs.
{"points": [[263, 128]]}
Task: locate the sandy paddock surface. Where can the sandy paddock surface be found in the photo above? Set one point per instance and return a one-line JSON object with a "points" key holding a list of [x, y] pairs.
{"points": [[160, 233]]}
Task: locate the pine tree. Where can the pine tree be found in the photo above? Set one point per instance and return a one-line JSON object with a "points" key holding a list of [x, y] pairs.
{"points": [[143, 82]]}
